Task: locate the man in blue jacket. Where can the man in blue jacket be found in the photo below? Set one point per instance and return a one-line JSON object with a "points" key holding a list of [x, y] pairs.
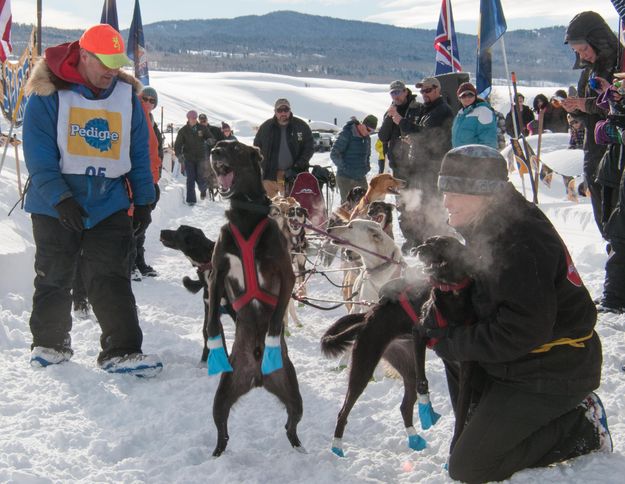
{"points": [[86, 147], [351, 154]]}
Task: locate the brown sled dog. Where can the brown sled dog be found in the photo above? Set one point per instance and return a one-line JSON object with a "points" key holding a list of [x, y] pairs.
{"points": [[390, 330]]}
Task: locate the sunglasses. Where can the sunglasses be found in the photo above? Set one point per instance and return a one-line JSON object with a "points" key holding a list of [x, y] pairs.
{"points": [[467, 94], [427, 90], [396, 92], [150, 100], [283, 110]]}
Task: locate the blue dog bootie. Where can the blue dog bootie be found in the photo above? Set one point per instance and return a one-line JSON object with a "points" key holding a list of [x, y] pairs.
{"points": [[217, 359], [272, 356], [427, 415], [415, 441]]}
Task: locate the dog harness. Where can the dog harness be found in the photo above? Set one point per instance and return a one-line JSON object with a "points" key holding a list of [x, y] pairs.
{"points": [[252, 289]]}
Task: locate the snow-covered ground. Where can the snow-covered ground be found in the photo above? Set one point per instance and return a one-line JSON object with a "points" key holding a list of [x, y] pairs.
{"points": [[75, 423]]}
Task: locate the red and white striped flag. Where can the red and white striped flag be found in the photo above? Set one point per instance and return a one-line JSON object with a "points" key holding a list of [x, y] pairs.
{"points": [[5, 29]]}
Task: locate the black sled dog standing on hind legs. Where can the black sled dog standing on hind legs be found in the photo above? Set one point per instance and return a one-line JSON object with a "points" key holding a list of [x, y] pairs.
{"points": [[252, 268], [398, 328]]}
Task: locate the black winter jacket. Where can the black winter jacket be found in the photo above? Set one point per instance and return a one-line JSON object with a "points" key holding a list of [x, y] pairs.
{"points": [[527, 293], [527, 115], [190, 142], [589, 26], [390, 133], [299, 140], [427, 132]]}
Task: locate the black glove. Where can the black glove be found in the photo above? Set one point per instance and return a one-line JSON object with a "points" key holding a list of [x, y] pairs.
{"points": [[141, 217], [71, 214], [289, 175]]}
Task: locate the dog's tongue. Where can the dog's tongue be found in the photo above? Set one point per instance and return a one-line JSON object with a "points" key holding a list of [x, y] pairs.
{"points": [[225, 181]]}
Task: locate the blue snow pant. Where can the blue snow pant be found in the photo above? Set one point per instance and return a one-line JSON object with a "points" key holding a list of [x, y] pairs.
{"points": [[193, 177]]}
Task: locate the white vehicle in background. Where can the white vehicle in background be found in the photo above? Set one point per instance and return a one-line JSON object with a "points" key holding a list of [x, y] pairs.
{"points": [[322, 141]]}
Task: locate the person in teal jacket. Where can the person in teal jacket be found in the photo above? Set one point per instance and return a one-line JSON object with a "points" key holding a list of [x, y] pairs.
{"points": [[351, 153], [476, 122], [85, 140]]}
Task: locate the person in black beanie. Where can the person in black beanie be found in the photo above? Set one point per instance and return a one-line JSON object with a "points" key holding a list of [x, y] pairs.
{"points": [[538, 356]]}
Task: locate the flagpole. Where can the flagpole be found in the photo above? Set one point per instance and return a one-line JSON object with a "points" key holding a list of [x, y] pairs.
{"points": [[451, 34], [38, 43]]}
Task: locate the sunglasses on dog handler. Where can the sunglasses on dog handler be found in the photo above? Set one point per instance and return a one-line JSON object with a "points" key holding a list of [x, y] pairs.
{"points": [[150, 100], [283, 110], [427, 90]]}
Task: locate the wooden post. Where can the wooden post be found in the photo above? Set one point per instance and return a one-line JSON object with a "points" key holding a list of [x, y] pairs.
{"points": [[17, 169], [38, 42]]}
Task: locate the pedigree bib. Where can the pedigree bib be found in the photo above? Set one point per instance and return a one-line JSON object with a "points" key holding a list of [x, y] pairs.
{"points": [[94, 135]]}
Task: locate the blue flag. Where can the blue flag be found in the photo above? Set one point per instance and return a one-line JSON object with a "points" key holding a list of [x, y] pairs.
{"points": [[135, 47], [109, 14], [445, 43], [492, 26]]}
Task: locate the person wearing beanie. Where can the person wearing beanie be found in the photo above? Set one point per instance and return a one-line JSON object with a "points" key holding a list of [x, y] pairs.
{"points": [[351, 153], [149, 100], [475, 122], [287, 145], [85, 143], [190, 149], [227, 132], [538, 358]]}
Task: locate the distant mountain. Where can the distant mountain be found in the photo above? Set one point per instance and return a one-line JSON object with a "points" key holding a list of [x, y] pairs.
{"points": [[309, 45]]}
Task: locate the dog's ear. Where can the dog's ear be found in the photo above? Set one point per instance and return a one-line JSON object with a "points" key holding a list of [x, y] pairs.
{"points": [[256, 155]]}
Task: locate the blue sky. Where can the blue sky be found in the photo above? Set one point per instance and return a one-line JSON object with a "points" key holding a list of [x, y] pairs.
{"points": [[403, 13]]}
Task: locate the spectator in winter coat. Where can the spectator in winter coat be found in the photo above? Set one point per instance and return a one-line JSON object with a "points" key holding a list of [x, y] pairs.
{"points": [[190, 146], [554, 118], [149, 100], [427, 130], [227, 132], [390, 132], [595, 47], [287, 145], [205, 172], [526, 117], [380, 149], [609, 175], [86, 138], [476, 122], [351, 153], [538, 356]]}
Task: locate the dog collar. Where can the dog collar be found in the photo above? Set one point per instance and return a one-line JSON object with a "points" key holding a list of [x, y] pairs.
{"points": [[451, 287]]}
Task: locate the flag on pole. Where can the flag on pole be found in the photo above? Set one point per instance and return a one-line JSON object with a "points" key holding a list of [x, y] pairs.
{"points": [[445, 43], [5, 28], [619, 5], [14, 77], [135, 47], [491, 27], [109, 14]]}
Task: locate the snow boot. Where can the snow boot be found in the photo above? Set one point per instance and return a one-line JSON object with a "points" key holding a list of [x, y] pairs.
{"points": [[137, 364], [40, 356], [595, 413]]}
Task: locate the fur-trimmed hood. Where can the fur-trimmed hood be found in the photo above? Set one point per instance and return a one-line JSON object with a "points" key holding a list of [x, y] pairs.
{"points": [[44, 82]]}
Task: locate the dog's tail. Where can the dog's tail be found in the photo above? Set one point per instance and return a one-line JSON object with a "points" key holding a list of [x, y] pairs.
{"points": [[337, 339]]}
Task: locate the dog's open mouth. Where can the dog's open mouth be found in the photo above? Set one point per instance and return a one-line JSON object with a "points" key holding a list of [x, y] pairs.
{"points": [[393, 190], [378, 217], [225, 177]]}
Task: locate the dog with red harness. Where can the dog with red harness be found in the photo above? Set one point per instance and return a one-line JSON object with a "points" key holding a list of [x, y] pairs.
{"points": [[252, 268]]}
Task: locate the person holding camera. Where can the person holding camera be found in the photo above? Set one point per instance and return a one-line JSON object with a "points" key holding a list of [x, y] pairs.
{"points": [[287, 145]]}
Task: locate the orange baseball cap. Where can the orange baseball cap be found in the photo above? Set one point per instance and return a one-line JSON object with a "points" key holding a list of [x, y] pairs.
{"points": [[106, 44]]}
